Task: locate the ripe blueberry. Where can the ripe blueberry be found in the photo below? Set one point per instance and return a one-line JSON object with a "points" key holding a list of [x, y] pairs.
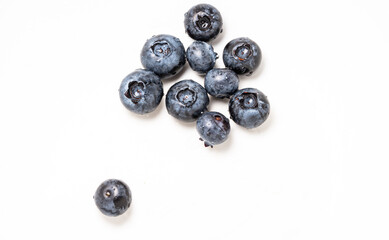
{"points": [[203, 22], [242, 55], [141, 91], [221, 82], [213, 128], [186, 100], [201, 57], [249, 107], [113, 197], [164, 55]]}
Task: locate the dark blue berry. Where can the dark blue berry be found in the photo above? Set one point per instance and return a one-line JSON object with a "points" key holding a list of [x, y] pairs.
{"points": [[242, 55], [113, 197], [164, 55], [186, 100], [221, 82], [249, 107], [201, 57], [141, 91], [203, 22], [213, 128]]}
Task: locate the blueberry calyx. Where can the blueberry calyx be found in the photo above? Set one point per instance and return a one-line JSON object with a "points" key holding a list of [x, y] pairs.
{"points": [[186, 97], [248, 100], [120, 202], [242, 52], [219, 120], [135, 91], [161, 49], [202, 21]]}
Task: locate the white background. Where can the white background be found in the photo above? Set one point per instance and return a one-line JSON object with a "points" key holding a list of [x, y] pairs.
{"points": [[317, 169]]}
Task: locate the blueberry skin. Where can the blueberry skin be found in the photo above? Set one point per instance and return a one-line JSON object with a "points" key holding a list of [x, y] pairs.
{"points": [[201, 57], [141, 91], [186, 100], [203, 22], [164, 55], [249, 107], [242, 55], [213, 128], [221, 82], [113, 197]]}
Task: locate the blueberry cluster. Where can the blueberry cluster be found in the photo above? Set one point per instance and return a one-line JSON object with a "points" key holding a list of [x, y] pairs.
{"points": [[163, 56]]}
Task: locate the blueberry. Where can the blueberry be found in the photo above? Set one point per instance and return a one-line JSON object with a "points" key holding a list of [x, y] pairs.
{"points": [[186, 100], [141, 91], [164, 55], [213, 128], [221, 82], [203, 22], [249, 107], [201, 57], [242, 55], [113, 197]]}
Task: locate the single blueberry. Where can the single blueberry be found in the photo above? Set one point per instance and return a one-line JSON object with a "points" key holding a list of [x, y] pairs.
{"points": [[113, 197], [249, 107], [201, 57], [141, 91], [186, 100], [221, 82], [213, 128], [203, 22], [164, 55], [242, 55]]}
